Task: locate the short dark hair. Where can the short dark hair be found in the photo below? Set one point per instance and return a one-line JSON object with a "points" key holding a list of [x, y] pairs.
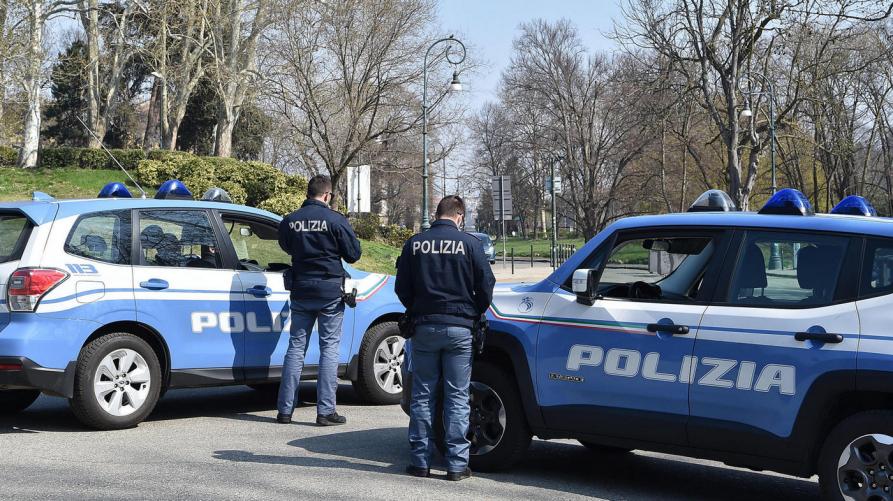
{"points": [[450, 206], [319, 185]]}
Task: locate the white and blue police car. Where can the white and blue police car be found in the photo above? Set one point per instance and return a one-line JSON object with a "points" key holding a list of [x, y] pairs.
{"points": [[109, 302], [764, 340]]}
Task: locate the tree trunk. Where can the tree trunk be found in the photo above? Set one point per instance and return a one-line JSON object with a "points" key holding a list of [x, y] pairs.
{"points": [[90, 21], [31, 134], [226, 122], [152, 137]]}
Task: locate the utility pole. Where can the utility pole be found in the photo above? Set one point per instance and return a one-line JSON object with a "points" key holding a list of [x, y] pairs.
{"points": [[554, 217]]}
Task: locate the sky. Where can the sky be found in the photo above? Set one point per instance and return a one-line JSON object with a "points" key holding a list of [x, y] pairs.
{"points": [[490, 26]]}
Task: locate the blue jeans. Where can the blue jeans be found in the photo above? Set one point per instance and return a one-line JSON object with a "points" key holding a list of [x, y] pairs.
{"points": [[328, 314], [440, 354]]}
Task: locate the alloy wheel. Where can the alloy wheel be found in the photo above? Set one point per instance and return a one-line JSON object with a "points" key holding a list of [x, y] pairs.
{"points": [[487, 420], [388, 358], [865, 469], [121, 383]]}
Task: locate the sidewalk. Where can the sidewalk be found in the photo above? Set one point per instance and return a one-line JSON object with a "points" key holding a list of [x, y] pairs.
{"points": [[523, 271]]}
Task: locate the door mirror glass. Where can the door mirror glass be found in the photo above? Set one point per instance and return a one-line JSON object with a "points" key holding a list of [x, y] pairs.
{"points": [[584, 283]]}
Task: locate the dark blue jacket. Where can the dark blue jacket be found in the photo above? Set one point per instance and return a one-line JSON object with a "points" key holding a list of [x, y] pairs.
{"points": [[317, 238], [443, 276]]}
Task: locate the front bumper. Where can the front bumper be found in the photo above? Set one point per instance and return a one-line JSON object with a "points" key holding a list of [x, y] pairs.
{"points": [[18, 373]]}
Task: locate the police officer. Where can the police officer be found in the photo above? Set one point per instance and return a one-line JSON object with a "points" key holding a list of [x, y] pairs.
{"points": [[317, 238], [446, 284]]}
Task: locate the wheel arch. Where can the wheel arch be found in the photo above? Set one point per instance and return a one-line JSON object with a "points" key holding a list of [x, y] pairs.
{"points": [[353, 367], [147, 334], [506, 352]]}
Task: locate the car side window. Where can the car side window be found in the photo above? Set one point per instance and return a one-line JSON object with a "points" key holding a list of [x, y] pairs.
{"points": [[877, 270], [103, 236], [178, 238], [787, 269], [256, 244], [659, 268]]}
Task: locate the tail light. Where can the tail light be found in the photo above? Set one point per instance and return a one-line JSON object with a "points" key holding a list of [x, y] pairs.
{"points": [[27, 286]]}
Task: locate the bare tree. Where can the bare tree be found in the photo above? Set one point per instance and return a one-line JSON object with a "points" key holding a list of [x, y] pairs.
{"points": [[345, 72], [235, 26]]}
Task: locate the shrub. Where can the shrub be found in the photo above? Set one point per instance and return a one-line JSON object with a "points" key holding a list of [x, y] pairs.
{"points": [[88, 158], [283, 203], [56, 158], [366, 226], [93, 159], [395, 235], [8, 156]]}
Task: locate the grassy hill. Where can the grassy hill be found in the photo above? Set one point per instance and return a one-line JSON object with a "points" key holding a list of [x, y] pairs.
{"points": [[17, 184]]}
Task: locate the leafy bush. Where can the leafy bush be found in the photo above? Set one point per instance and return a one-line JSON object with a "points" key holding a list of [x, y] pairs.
{"points": [[8, 156], [283, 203], [396, 235], [366, 226]]}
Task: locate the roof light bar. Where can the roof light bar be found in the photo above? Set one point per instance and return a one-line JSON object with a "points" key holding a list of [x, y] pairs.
{"points": [[855, 205], [217, 195], [114, 190], [173, 189], [713, 201], [788, 202]]}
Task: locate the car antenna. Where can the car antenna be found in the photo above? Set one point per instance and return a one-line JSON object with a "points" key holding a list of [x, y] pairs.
{"points": [[109, 153]]}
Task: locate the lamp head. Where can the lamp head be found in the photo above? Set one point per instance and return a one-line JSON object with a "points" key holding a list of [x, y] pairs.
{"points": [[455, 84], [746, 113]]}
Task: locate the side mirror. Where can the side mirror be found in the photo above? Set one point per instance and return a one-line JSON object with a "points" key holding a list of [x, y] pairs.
{"points": [[584, 284]]}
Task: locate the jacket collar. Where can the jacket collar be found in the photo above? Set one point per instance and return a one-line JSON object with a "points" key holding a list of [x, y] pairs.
{"points": [[313, 201], [445, 223]]}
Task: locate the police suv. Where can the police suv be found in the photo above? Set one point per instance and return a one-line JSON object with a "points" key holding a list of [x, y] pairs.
{"points": [[110, 302], [764, 340]]}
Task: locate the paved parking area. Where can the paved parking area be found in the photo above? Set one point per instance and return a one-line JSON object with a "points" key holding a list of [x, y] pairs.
{"points": [[223, 444]]}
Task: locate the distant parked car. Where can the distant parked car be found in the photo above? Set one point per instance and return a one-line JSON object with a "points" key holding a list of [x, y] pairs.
{"points": [[489, 248]]}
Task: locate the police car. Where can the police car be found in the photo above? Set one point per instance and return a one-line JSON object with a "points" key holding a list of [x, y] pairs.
{"points": [[112, 301], [763, 340]]}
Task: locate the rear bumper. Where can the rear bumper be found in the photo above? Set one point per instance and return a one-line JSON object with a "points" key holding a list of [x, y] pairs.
{"points": [[22, 373]]}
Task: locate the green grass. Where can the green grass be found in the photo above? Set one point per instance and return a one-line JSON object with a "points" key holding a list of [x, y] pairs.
{"points": [[378, 257], [17, 184], [540, 246]]}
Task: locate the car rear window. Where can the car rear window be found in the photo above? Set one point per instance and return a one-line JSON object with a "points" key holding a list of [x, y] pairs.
{"points": [[103, 236], [14, 232]]}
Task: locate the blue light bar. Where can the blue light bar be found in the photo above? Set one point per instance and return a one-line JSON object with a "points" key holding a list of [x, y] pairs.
{"points": [[854, 205], [788, 201], [713, 201], [173, 189], [114, 190]]}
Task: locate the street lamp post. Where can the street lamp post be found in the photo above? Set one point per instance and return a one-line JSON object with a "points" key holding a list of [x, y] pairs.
{"points": [[774, 254], [455, 85]]}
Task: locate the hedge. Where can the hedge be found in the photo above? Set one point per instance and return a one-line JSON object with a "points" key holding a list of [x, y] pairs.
{"points": [[8, 156], [253, 183], [87, 158], [368, 227]]}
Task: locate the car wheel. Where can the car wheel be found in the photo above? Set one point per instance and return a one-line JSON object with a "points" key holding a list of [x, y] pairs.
{"points": [[15, 401], [379, 378], [603, 449], [117, 382], [856, 462], [497, 427]]}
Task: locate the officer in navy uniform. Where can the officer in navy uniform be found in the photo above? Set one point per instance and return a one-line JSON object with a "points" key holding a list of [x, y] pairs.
{"points": [[317, 238], [446, 284]]}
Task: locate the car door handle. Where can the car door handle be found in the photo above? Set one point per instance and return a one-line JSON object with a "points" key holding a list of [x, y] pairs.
{"points": [[668, 328], [259, 291], [824, 337], [155, 284]]}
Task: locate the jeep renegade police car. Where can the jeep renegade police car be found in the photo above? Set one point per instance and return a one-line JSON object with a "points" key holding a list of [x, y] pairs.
{"points": [[110, 302], [759, 339]]}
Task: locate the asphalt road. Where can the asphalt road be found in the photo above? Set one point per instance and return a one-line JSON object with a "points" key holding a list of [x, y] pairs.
{"points": [[224, 444]]}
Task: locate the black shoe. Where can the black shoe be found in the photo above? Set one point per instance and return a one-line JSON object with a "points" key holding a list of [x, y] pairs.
{"points": [[455, 476], [283, 419], [417, 471], [333, 419]]}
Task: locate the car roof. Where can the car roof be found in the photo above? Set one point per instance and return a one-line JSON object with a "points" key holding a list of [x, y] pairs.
{"points": [[42, 211], [879, 226]]}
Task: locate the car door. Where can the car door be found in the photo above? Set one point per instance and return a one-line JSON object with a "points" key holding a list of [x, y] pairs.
{"points": [[620, 367], [260, 263], [185, 292], [785, 319]]}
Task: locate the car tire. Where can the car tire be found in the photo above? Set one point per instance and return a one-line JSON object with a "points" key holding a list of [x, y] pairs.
{"points": [[856, 461], [15, 401], [603, 449], [497, 423], [108, 395], [379, 378]]}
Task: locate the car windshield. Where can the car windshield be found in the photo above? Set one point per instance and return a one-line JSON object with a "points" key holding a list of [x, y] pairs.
{"points": [[14, 231], [484, 238]]}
